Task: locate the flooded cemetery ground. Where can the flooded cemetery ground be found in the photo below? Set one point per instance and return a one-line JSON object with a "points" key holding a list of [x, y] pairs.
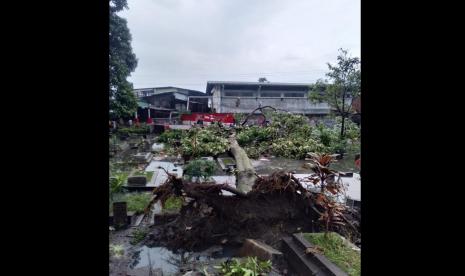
{"points": [[210, 226]]}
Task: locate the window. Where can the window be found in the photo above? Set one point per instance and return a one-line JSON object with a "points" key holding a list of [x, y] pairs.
{"points": [[270, 94], [294, 94], [238, 94]]}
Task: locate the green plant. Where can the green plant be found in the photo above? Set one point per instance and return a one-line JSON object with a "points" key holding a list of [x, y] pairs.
{"points": [[200, 169], [117, 183], [337, 251], [251, 267], [329, 182], [137, 236], [137, 202]]}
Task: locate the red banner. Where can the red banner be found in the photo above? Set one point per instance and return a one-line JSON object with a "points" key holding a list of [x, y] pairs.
{"points": [[226, 118]]}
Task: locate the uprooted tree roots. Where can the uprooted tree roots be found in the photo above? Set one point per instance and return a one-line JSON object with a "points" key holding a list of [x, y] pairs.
{"points": [[276, 205]]}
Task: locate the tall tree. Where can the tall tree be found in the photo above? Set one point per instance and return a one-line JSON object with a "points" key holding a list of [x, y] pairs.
{"points": [[123, 102], [343, 88]]}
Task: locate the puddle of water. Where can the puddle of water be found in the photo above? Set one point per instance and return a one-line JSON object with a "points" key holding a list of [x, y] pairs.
{"points": [[157, 257], [170, 262]]}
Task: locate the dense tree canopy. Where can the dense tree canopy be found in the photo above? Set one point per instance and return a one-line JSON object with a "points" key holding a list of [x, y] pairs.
{"points": [[123, 102]]}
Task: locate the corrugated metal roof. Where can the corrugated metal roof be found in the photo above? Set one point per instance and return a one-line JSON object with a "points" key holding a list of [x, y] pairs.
{"points": [[142, 104]]}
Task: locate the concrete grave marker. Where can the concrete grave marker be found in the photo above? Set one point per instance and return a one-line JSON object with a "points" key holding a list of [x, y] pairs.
{"points": [[120, 214]]}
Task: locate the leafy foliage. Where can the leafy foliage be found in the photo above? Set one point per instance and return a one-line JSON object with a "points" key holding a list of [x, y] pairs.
{"points": [[170, 136], [251, 267], [203, 142], [116, 183], [254, 134], [199, 169], [288, 135], [296, 148], [123, 102]]}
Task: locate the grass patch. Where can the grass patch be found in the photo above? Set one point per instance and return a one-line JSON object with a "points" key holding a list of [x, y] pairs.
{"points": [[136, 202], [337, 251], [173, 203]]}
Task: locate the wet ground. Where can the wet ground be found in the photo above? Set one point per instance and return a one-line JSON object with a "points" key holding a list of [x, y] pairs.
{"points": [[268, 165]]}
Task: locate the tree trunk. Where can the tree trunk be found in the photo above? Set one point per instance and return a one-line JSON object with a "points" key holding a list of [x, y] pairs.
{"points": [[246, 175], [342, 127]]}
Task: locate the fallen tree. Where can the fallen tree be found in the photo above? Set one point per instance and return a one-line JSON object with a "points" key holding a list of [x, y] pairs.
{"points": [[246, 175], [268, 208], [260, 207]]}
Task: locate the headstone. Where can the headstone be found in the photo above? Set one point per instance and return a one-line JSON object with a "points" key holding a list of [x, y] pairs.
{"points": [[157, 147], [120, 214], [208, 158], [137, 180], [227, 163], [143, 157], [262, 251]]}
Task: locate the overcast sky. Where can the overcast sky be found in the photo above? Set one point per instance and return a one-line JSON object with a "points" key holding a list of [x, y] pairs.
{"points": [[186, 43]]}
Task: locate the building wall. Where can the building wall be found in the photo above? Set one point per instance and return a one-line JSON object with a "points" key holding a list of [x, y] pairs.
{"points": [[228, 104], [216, 99]]}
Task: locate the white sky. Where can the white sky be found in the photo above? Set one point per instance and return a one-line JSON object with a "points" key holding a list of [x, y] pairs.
{"points": [[185, 43]]}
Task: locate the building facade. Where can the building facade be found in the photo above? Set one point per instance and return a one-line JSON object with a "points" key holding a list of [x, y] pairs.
{"points": [[244, 97]]}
